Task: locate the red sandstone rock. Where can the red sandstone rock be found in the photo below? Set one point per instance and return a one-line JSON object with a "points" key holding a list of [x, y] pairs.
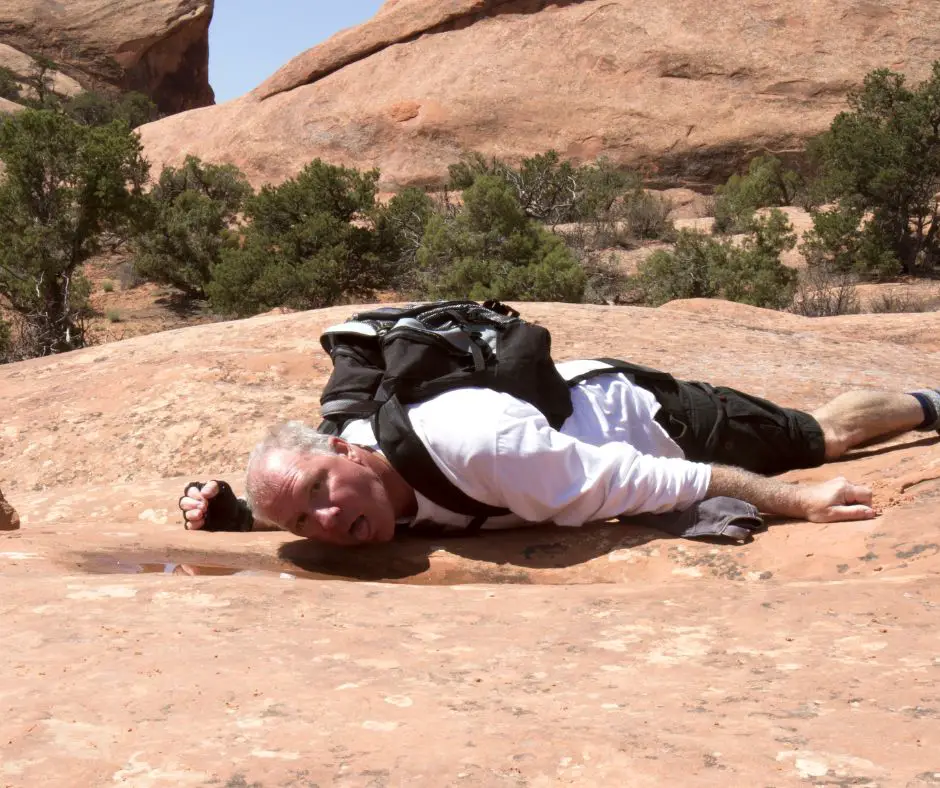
{"points": [[22, 65], [685, 90], [157, 47], [9, 107], [601, 656], [193, 401]]}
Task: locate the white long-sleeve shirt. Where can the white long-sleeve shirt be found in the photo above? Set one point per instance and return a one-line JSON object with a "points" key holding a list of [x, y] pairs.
{"points": [[609, 458]]}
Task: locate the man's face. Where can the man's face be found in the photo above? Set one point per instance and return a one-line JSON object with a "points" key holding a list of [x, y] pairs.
{"points": [[338, 499]]}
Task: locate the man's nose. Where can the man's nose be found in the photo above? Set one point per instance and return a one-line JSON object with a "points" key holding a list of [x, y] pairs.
{"points": [[328, 518]]}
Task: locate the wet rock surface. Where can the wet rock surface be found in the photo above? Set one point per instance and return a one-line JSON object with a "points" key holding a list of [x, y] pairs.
{"points": [[141, 654]]}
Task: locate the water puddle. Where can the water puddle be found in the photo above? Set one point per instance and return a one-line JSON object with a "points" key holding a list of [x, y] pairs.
{"points": [[111, 565]]}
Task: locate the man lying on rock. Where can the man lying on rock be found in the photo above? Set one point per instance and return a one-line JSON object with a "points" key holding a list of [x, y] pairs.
{"points": [[626, 449], [612, 457]]}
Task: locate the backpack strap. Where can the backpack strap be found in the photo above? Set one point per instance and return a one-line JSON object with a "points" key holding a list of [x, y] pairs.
{"points": [[350, 408], [635, 373], [408, 455]]}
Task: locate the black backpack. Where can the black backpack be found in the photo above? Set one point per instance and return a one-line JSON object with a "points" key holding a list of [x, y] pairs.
{"points": [[392, 357]]}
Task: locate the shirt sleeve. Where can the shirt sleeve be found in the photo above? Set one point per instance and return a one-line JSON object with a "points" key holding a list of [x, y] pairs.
{"points": [[508, 455], [542, 474]]}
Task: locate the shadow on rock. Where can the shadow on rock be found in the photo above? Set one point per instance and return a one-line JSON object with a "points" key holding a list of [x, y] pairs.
{"points": [[9, 519], [877, 449], [491, 557]]}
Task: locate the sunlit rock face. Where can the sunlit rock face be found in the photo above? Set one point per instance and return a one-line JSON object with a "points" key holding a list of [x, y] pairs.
{"points": [[684, 90], [9, 107], [157, 47], [136, 652]]}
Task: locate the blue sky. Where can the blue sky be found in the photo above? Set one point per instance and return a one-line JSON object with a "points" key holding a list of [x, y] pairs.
{"points": [[249, 40]]}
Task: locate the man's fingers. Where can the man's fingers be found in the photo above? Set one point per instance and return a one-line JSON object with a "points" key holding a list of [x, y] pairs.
{"points": [[847, 492], [195, 503], [194, 508], [194, 511], [209, 490], [194, 519], [857, 494], [854, 512]]}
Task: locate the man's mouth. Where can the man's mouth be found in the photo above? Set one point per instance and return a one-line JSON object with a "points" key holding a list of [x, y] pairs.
{"points": [[360, 529]]}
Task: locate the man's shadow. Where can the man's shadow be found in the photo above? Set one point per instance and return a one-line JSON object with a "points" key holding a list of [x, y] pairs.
{"points": [[497, 555], [880, 447]]}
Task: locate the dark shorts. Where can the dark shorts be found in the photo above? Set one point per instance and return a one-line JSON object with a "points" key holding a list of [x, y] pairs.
{"points": [[721, 425]]}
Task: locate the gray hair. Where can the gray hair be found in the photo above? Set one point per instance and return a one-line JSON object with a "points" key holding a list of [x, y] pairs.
{"points": [[287, 436]]}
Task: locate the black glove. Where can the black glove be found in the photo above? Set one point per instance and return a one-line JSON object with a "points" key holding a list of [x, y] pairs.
{"points": [[225, 512]]}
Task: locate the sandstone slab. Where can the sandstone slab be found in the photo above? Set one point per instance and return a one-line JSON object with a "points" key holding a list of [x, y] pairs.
{"points": [[686, 91], [194, 401], [160, 48], [141, 654], [22, 65], [168, 680], [9, 107]]}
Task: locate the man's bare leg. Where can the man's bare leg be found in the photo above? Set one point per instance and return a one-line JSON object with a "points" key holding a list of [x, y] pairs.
{"points": [[858, 417]]}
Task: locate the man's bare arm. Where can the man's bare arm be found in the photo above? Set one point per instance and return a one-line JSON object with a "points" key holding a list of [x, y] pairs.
{"points": [[827, 502]]}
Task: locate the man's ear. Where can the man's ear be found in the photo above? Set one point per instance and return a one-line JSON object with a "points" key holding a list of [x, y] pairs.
{"points": [[351, 451], [340, 446]]}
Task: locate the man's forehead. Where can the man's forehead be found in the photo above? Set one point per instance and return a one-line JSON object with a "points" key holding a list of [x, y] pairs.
{"points": [[279, 461], [284, 472], [278, 477], [293, 460]]}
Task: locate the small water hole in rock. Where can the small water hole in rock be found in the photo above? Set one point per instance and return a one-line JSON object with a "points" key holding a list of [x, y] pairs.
{"points": [[103, 564], [255, 566], [525, 557], [330, 567]]}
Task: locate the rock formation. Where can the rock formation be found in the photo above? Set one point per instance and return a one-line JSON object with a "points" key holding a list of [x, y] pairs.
{"points": [[685, 90], [156, 47], [138, 653], [9, 107], [22, 65]]}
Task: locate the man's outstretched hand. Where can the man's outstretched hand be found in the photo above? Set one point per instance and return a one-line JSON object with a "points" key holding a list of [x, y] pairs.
{"points": [[213, 507], [837, 499], [828, 502]]}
